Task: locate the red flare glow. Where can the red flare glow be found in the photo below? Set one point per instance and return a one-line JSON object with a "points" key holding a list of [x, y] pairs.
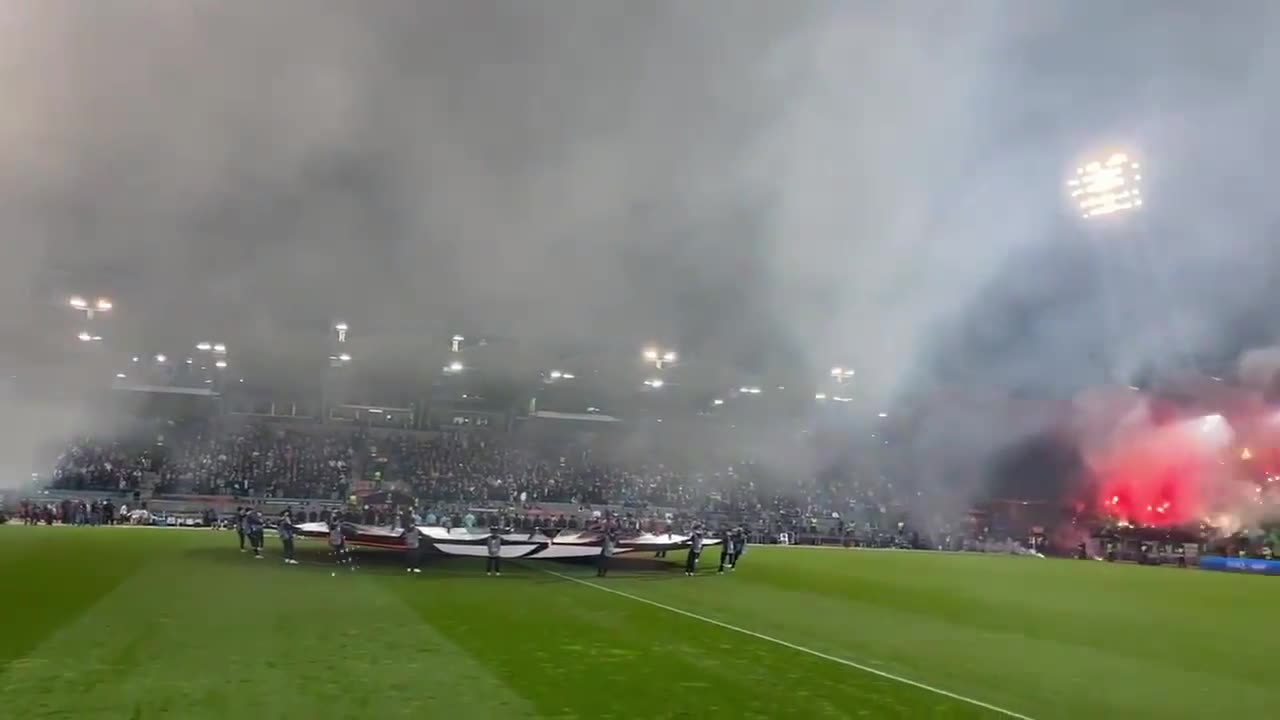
{"points": [[1156, 479]]}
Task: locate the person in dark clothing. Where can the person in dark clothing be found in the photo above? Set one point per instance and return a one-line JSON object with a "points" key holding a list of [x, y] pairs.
{"points": [[607, 544], [255, 528], [412, 554], [726, 551], [695, 550], [286, 532], [240, 525], [739, 538], [493, 564], [338, 543]]}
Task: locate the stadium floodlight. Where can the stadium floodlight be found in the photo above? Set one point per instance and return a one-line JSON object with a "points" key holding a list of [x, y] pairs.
{"points": [[79, 304], [660, 356], [1105, 187]]}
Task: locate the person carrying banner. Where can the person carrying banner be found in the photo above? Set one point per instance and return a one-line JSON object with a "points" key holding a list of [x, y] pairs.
{"points": [[242, 522], [285, 529], [739, 539], [607, 544], [255, 526], [412, 553], [338, 543], [493, 564], [695, 550], [726, 551]]}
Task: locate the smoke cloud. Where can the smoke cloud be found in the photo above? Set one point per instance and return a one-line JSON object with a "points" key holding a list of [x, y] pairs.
{"points": [[774, 188]]}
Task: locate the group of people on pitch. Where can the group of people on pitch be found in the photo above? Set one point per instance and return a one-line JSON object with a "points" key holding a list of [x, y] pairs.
{"points": [[413, 548], [250, 526], [733, 545]]}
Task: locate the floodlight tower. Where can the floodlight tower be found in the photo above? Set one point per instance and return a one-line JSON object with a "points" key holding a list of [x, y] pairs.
{"points": [[79, 304], [660, 357], [90, 308], [1107, 193]]}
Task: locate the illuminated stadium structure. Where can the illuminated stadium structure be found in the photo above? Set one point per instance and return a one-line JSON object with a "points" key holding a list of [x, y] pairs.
{"points": [[1105, 187]]}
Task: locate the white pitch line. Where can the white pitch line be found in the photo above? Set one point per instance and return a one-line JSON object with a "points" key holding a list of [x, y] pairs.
{"points": [[798, 648]]}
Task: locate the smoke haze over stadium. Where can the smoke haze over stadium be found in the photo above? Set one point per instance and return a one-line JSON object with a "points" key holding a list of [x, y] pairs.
{"points": [[772, 188]]}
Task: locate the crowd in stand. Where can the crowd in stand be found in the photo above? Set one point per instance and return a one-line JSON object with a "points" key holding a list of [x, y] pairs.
{"points": [[263, 461], [87, 464], [475, 467], [453, 469], [256, 460]]}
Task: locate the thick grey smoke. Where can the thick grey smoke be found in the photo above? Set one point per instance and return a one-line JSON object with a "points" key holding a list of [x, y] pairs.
{"points": [[921, 170], [923, 234], [774, 187], [401, 165], [556, 171]]}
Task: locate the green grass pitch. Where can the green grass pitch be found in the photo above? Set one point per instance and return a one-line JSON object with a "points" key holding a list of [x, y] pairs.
{"points": [[149, 623]]}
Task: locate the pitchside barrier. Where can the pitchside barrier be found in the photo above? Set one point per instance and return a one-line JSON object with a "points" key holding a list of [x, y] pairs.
{"points": [[1240, 565]]}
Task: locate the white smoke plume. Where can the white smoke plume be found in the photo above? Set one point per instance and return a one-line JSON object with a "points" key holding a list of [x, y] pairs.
{"points": [[775, 188]]}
